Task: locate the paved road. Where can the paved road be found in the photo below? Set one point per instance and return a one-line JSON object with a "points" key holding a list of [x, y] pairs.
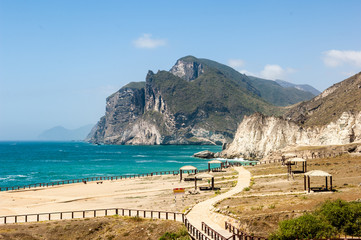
{"points": [[203, 211]]}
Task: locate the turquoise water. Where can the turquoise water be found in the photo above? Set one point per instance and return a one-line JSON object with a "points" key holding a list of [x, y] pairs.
{"points": [[23, 163]]}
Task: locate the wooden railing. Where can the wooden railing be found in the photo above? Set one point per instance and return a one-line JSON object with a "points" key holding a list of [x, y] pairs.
{"points": [[92, 213], [213, 234], [105, 178], [240, 235], [194, 232]]}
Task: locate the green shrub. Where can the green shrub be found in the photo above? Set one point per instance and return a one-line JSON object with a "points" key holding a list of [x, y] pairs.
{"points": [[182, 234], [344, 216], [307, 226], [333, 217]]}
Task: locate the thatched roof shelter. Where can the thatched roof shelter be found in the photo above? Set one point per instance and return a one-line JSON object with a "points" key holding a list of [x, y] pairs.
{"points": [[317, 173], [186, 168], [212, 162], [293, 161], [203, 175]]}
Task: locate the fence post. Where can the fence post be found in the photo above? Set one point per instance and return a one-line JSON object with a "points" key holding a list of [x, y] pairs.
{"points": [[26, 218], [61, 216], [83, 214], [37, 217], [72, 215]]}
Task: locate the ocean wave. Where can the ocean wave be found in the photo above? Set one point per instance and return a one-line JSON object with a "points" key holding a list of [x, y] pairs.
{"points": [[101, 160], [56, 160], [10, 178], [144, 161], [140, 156]]}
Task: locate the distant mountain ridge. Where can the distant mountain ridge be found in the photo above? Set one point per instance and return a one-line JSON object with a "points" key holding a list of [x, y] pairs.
{"points": [[199, 101], [59, 133], [304, 87]]}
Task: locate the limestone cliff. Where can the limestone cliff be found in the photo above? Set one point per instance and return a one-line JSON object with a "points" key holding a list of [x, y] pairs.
{"points": [[258, 136]]}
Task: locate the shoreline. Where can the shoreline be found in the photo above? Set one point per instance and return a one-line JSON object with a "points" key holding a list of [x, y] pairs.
{"points": [[148, 193]]}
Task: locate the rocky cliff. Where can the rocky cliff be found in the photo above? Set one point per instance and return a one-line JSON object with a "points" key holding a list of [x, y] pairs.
{"points": [[197, 102], [258, 136], [332, 118]]}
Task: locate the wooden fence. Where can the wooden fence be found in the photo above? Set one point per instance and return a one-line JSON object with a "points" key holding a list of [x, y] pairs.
{"points": [[194, 232], [92, 213], [213, 233]]}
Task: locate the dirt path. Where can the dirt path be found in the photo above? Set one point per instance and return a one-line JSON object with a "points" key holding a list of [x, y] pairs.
{"points": [[203, 211]]}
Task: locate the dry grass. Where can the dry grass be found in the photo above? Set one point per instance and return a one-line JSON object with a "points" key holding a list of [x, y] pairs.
{"points": [[273, 197], [107, 228]]}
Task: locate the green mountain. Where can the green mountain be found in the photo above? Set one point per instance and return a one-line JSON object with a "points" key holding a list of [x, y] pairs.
{"points": [[198, 101]]}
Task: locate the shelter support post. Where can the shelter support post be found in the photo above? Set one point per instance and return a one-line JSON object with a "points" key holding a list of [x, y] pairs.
{"points": [[326, 183], [309, 183], [180, 174], [331, 183], [212, 183], [304, 182]]}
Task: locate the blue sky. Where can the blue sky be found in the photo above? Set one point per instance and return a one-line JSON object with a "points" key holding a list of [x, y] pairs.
{"points": [[59, 60]]}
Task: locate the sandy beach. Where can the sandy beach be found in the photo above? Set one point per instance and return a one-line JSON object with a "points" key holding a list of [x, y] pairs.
{"points": [[150, 193]]}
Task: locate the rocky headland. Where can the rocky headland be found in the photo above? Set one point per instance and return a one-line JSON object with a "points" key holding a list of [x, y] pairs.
{"points": [[198, 101]]}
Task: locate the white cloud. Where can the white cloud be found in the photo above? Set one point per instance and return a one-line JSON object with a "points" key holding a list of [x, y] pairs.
{"points": [[335, 58], [273, 71], [235, 63], [248, 73], [146, 41]]}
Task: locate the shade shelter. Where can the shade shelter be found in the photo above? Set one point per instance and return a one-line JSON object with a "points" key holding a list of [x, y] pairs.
{"points": [[294, 161], [212, 162], [187, 168], [203, 175], [316, 173]]}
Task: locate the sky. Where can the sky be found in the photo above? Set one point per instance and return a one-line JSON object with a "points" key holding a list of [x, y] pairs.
{"points": [[60, 59]]}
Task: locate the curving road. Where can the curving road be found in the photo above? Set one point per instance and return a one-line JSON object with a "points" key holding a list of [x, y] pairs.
{"points": [[203, 211]]}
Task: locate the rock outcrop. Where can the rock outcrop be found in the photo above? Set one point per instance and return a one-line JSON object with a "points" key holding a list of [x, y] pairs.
{"points": [[187, 70], [204, 154], [258, 136]]}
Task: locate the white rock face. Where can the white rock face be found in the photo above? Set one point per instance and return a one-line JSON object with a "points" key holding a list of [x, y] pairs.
{"points": [[142, 133], [257, 135], [187, 70]]}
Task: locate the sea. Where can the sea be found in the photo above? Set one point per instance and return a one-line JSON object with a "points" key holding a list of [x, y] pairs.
{"points": [[23, 163]]}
